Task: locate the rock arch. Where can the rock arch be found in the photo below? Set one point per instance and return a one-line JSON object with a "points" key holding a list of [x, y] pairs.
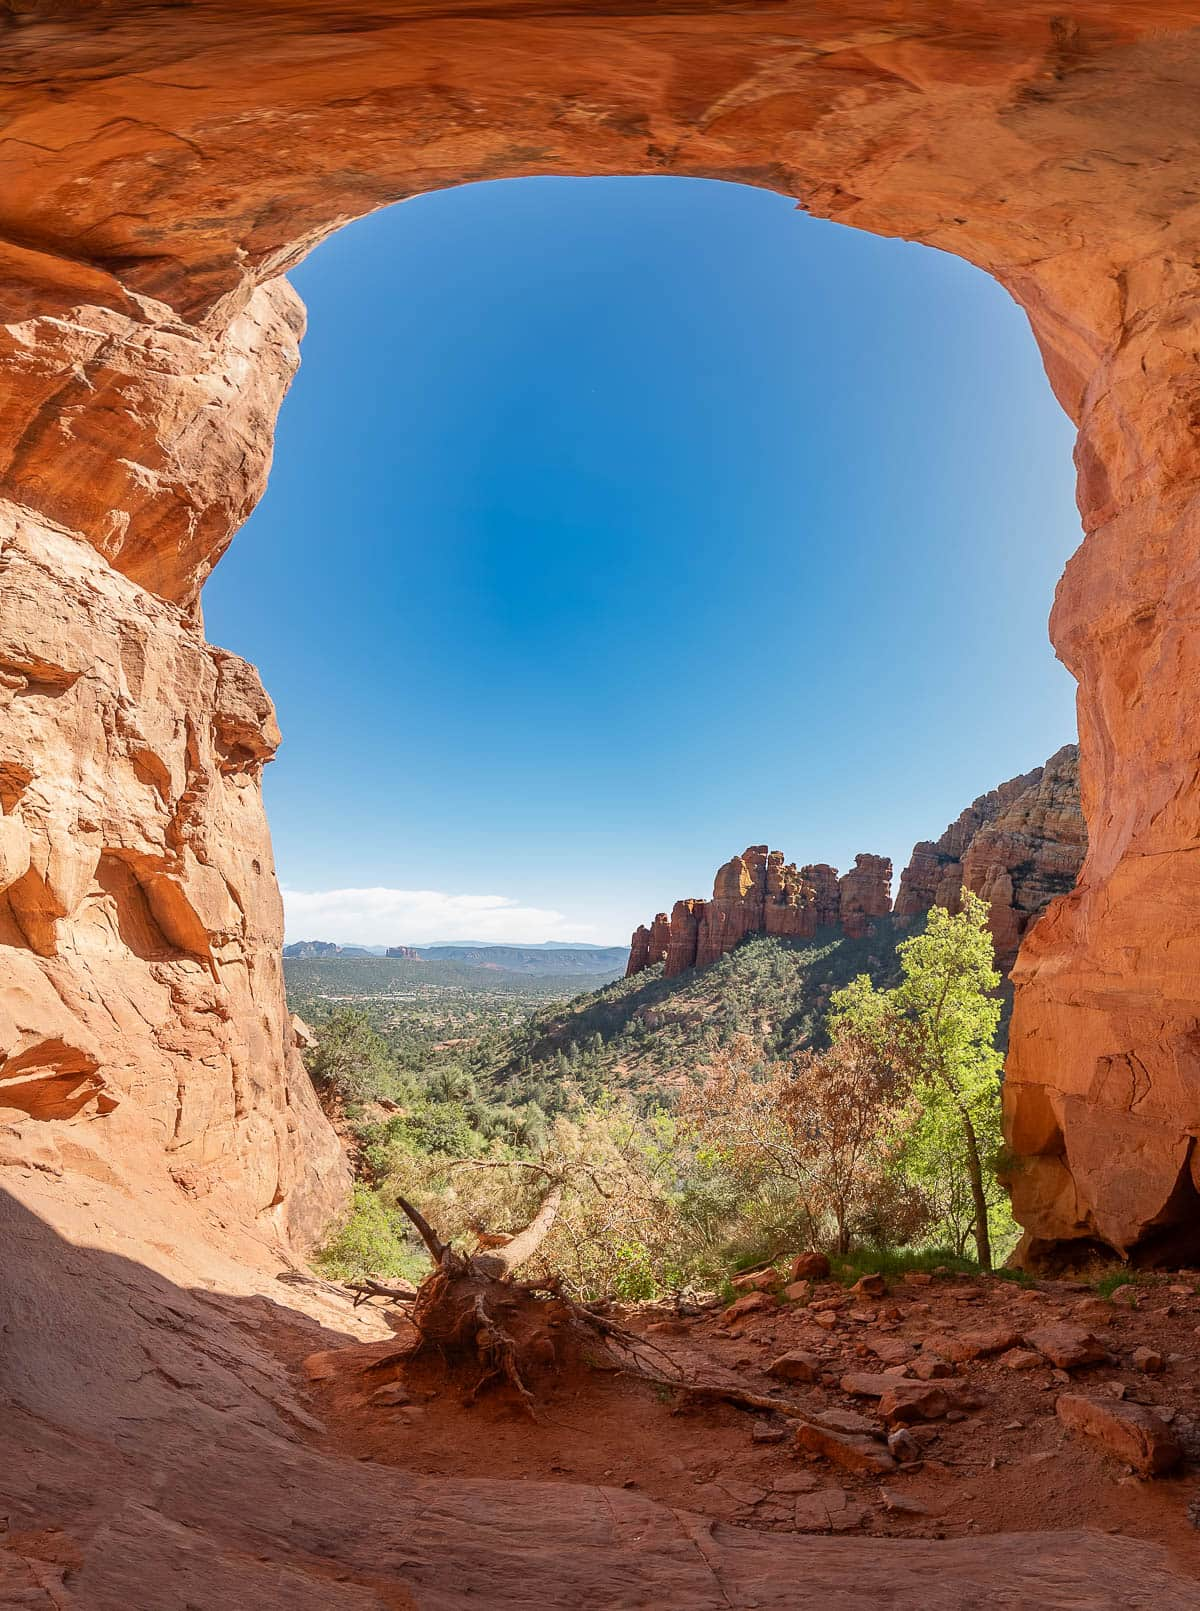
{"points": [[163, 164]]}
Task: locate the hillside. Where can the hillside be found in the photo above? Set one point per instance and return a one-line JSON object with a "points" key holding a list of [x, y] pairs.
{"points": [[645, 1034]]}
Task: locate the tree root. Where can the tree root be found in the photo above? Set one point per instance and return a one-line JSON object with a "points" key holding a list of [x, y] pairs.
{"points": [[471, 1308]]}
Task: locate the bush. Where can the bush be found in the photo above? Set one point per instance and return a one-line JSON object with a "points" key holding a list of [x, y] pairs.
{"points": [[372, 1241], [351, 1058]]}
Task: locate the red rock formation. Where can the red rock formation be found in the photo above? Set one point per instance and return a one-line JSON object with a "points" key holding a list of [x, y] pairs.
{"points": [[934, 876], [759, 893], [687, 919], [865, 893], [163, 165], [639, 950], [1019, 846], [827, 899], [406, 952], [1029, 853]]}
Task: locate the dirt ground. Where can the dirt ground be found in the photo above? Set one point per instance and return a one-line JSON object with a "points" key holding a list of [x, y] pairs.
{"points": [[1004, 1463]]}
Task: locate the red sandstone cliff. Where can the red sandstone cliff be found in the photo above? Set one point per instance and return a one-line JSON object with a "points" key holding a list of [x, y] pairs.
{"points": [[1019, 846], [163, 165], [759, 893], [146, 338]]}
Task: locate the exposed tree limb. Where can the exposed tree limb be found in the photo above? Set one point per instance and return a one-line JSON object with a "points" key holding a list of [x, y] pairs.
{"points": [[429, 1236], [366, 1289], [505, 1261]]}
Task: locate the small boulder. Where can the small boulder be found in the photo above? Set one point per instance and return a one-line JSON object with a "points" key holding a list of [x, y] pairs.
{"points": [[862, 1455], [915, 1401], [849, 1421], [809, 1267], [1067, 1346], [1148, 1360], [764, 1432], [796, 1366], [394, 1393], [1129, 1431], [757, 1281], [931, 1367], [1021, 1359], [872, 1384], [798, 1291], [990, 1340], [889, 1350], [903, 1446], [870, 1286], [750, 1303], [917, 1278]]}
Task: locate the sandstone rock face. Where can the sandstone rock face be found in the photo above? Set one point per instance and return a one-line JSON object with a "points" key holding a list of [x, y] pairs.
{"points": [[759, 893], [163, 165], [143, 1032], [1019, 846], [865, 892]]}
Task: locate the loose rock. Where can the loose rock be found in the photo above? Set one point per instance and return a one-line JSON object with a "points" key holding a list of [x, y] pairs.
{"points": [[1129, 1431]]}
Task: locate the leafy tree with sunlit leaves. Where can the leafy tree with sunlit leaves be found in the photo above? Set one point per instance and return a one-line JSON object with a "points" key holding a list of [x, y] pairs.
{"points": [[940, 1022]]}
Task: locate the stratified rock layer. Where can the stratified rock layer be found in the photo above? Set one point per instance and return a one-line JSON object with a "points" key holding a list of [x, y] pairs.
{"points": [[142, 1008], [759, 893], [1019, 846]]}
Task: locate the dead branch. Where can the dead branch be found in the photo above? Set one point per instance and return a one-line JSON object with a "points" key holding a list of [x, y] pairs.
{"points": [[504, 1163], [727, 1393], [505, 1261], [437, 1248], [366, 1289]]}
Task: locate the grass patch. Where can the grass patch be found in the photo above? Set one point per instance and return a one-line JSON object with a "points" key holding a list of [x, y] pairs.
{"points": [[1019, 1278], [1119, 1275], [372, 1240], [896, 1261]]}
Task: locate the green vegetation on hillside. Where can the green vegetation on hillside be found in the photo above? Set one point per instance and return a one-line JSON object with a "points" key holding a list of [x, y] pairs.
{"points": [[700, 1124], [647, 1036]]}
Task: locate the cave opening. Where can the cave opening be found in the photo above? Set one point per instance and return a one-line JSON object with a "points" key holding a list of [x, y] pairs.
{"points": [[590, 486]]}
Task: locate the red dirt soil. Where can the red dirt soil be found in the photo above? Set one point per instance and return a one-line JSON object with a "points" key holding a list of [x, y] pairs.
{"points": [[1010, 1466]]}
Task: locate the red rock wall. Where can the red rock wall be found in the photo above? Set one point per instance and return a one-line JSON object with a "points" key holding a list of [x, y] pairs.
{"points": [[164, 164], [864, 893], [1019, 846], [759, 893]]}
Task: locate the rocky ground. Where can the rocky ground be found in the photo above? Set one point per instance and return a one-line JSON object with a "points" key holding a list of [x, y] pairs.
{"points": [[924, 1406]]}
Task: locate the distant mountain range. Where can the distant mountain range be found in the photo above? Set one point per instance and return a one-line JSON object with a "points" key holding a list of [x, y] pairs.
{"points": [[550, 957], [326, 948]]}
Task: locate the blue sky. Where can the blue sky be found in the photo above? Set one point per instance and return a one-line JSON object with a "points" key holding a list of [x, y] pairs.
{"points": [[618, 524]]}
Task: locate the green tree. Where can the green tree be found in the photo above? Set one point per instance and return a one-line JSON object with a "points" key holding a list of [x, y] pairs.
{"points": [[941, 1023], [351, 1058]]}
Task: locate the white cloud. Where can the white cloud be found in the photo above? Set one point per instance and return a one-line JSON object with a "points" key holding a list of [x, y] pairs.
{"points": [[419, 916]]}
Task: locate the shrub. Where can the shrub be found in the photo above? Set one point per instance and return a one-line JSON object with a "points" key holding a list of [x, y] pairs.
{"points": [[371, 1241]]}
